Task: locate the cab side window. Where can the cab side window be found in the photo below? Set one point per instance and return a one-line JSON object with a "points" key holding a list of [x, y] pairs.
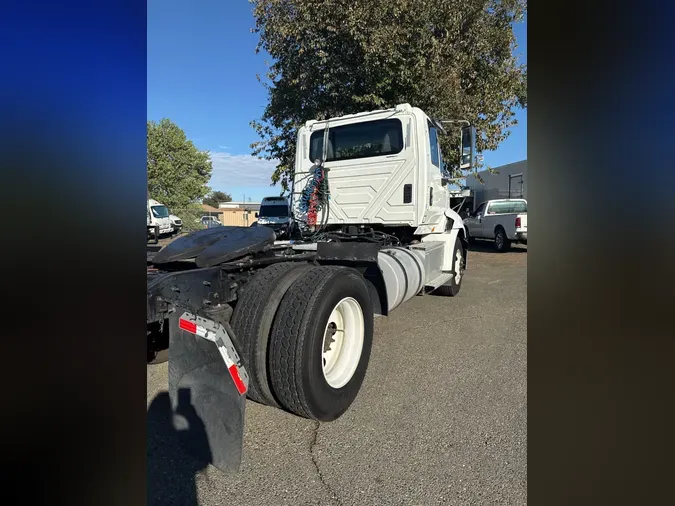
{"points": [[434, 147]]}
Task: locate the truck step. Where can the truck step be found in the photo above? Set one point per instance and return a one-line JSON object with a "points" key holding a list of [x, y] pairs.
{"points": [[440, 280]]}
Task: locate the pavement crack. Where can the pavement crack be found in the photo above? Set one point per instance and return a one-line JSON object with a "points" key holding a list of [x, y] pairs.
{"points": [[315, 434]]}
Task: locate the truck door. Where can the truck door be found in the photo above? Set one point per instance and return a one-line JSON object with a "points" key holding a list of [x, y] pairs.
{"points": [[437, 195], [475, 222]]}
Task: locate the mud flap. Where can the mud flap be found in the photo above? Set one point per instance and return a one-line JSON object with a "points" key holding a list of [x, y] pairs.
{"points": [[207, 388]]}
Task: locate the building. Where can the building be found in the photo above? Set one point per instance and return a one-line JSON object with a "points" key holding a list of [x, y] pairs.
{"points": [[208, 210], [238, 214], [249, 206], [241, 214], [509, 182]]}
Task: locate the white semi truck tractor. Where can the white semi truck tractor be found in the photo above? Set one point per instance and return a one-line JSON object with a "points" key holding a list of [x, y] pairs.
{"points": [[289, 323]]}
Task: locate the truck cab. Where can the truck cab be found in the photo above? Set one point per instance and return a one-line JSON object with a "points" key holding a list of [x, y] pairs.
{"points": [[275, 213], [386, 168]]}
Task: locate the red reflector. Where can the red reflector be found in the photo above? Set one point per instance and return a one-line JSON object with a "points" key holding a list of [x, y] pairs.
{"points": [[234, 372], [187, 325], [518, 222]]}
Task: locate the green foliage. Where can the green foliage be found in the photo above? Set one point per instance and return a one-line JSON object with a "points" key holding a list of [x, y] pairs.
{"points": [[177, 170], [215, 197], [452, 58], [191, 216]]}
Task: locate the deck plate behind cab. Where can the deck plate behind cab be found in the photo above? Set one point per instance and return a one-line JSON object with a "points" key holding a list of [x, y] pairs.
{"points": [[214, 246]]}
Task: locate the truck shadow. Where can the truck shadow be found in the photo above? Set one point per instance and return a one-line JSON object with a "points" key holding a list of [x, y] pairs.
{"points": [[489, 247], [171, 470]]}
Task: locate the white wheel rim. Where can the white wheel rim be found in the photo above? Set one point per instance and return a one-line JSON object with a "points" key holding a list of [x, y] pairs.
{"points": [[342, 342], [458, 266]]}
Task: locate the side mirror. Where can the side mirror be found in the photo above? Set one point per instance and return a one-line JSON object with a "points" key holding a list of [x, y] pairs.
{"points": [[468, 147], [256, 215]]}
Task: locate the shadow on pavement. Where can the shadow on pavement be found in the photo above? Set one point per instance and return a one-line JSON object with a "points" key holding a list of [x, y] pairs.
{"points": [[489, 247], [172, 469]]}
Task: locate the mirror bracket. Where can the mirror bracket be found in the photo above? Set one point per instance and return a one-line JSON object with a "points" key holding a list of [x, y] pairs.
{"points": [[467, 147]]}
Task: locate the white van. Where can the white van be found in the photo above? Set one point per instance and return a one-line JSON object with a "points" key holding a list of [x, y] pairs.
{"points": [[275, 213], [158, 214]]}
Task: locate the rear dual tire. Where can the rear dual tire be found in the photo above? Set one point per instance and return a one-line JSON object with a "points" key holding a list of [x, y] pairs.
{"points": [[253, 318], [314, 372], [306, 334]]}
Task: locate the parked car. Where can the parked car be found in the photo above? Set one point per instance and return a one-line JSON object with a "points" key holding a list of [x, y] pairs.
{"points": [[503, 221], [210, 222]]}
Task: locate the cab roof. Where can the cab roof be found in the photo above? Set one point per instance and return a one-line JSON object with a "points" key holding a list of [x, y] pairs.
{"points": [[399, 108]]}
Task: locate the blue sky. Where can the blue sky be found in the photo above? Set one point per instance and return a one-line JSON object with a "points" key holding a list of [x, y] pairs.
{"points": [[201, 74]]}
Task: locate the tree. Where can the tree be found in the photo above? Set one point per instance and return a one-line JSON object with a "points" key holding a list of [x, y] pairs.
{"points": [[215, 197], [454, 59], [177, 170]]}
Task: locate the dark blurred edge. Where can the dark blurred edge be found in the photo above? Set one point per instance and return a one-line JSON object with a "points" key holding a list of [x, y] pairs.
{"points": [[72, 119], [72, 153], [601, 252]]}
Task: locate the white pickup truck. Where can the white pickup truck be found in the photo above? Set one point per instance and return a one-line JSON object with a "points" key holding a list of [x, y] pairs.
{"points": [[503, 221]]}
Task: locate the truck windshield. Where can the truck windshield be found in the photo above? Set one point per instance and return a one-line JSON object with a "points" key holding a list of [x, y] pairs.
{"points": [[513, 206], [273, 211], [160, 211], [359, 140]]}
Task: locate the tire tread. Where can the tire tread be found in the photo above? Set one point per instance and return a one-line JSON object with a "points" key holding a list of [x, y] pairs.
{"points": [[450, 288], [245, 319], [289, 330]]}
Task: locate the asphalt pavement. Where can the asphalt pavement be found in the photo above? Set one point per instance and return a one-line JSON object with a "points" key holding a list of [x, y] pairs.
{"points": [[440, 419]]}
